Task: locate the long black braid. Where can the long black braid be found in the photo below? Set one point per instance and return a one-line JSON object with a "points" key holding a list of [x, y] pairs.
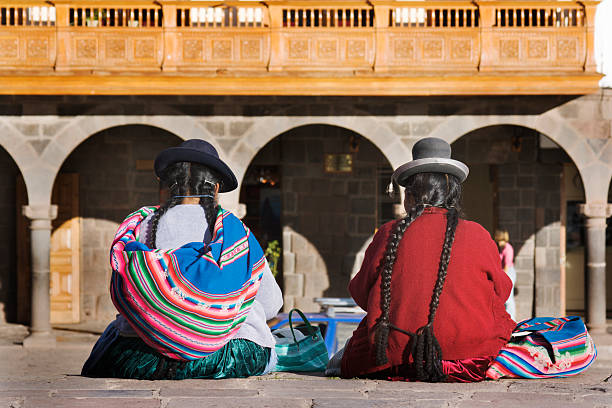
{"points": [[423, 189], [182, 179]]}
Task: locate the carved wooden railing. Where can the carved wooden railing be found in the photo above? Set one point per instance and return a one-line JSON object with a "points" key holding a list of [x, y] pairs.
{"points": [[204, 35], [315, 35], [27, 36], [427, 36], [523, 36], [357, 37], [109, 35]]}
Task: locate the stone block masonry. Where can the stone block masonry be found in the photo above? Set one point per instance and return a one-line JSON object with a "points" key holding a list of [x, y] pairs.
{"points": [[333, 213], [111, 185], [527, 204], [40, 133]]}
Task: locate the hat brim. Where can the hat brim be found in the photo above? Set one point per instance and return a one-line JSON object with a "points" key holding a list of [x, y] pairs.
{"points": [[431, 165], [184, 154]]}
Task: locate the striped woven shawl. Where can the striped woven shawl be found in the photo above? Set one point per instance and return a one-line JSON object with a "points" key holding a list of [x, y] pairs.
{"points": [[190, 301]]}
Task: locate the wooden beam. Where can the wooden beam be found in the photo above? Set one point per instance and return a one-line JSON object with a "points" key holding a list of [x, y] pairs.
{"points": [[160, 84]]}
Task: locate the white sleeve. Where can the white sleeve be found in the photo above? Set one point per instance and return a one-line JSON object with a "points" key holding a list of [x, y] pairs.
{"points": [[269, 294]]}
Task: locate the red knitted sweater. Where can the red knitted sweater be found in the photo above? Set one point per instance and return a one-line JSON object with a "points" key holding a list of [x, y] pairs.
{"points": [[471, 320]]}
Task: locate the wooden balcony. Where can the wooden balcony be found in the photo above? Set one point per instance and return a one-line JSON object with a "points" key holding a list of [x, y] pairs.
{"points": [[341, 47]]}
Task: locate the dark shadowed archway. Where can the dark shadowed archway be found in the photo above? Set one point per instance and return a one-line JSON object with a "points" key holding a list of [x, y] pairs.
{"points": [[319, 190], [105, 178], [14, 308], [518, 182]]}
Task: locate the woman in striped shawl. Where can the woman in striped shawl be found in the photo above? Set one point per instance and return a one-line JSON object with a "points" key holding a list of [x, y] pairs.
{"points": [[190, 282]]}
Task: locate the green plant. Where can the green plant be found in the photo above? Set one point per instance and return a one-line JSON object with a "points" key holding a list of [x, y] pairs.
{"points": [[272, 254]]}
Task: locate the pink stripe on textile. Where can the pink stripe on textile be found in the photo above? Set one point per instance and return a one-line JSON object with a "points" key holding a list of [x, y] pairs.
{"points": [[519, 361], [177, 333], [157, 273]]}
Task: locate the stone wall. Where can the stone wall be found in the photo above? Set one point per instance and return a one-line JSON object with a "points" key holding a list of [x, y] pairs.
{"points": [[8, 260], [529, 208], [115, 178], [548, 239], [336, 212], [39, 131], [527, 204], [333, 214], [304, 273]]}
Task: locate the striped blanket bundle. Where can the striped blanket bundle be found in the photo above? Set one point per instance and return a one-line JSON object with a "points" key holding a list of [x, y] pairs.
{"points": [[545, 347], [186, 302]]}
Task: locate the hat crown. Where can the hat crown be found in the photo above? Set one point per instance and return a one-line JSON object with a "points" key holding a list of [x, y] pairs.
{"points": [[431, 147], [201, 146], [201, 152]]}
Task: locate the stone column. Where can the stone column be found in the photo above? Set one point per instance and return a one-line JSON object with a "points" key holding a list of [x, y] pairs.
{"points": [[40, 230], [595, 225]]}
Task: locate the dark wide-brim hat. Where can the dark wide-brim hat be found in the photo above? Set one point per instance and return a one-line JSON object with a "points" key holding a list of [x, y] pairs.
{"points": [[197, 151], [431, 155]]}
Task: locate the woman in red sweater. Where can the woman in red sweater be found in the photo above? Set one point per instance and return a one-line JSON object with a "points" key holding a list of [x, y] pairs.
{"points": [[431, 283]]}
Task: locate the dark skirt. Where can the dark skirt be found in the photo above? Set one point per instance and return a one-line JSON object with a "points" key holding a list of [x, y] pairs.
{"points": [[130, 357]]}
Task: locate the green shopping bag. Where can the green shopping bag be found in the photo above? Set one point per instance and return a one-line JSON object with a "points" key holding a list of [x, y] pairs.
{"points": [[306, 354]]}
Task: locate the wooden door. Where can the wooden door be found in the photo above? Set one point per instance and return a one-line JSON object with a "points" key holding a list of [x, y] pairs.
{"points": [[65, 251]]}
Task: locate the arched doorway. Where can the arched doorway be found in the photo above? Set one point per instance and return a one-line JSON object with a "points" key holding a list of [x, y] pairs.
{"points": [[317, 188], [13, 308], [105, 178], [519, 182]]}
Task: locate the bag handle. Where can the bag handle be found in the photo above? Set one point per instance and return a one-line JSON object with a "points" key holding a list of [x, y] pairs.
{"points": [[311, 329]]}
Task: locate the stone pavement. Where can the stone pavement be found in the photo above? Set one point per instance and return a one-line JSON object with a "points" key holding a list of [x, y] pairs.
{"points": [[36, 378]]}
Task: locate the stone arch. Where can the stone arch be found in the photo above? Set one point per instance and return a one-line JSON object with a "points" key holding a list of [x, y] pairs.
{"points": [[592, 166], [335, 212], [528, 203], [81, 128], [269, 128], [110, 175], [23, 153]]}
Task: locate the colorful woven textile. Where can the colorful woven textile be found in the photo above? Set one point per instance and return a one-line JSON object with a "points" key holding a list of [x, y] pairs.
{"points": [[186, 302], [130, 357], [545, 347]]}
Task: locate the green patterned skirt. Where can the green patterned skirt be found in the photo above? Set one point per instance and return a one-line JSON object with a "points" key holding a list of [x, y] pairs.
{"points": [[130, 357]]}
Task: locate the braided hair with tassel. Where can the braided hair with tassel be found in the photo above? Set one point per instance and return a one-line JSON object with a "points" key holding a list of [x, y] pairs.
{"points": [[183, 179], [422, 190]]}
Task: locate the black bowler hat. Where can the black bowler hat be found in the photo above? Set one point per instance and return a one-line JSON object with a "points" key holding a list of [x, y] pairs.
{"points": [[431, 155], [197, 151]]}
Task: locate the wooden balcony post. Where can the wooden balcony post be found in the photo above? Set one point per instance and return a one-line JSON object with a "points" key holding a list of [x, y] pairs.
{"points": [[276, 35], [62, 24], [61, 14], [590, 8], [382, 47], [170, 36], [487, 20]]}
